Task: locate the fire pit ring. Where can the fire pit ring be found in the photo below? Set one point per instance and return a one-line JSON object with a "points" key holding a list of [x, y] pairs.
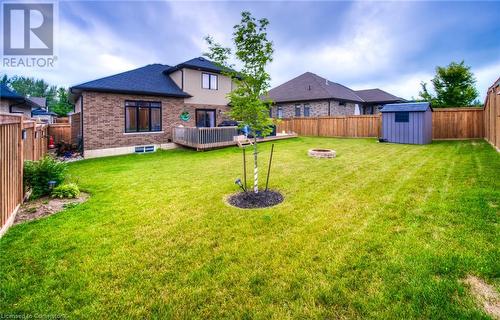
{"points": [[321, 153]]}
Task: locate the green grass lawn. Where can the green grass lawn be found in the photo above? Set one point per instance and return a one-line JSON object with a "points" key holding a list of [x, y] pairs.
{"points": [[382, 231]]}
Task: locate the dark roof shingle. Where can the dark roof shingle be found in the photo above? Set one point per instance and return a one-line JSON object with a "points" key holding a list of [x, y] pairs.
{"points": [[309, 86], [151, 79], [8, 93], [377, 95]]}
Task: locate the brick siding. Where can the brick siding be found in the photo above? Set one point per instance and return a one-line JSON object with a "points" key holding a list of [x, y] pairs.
{"points": [[104, 119], [317, 108]]}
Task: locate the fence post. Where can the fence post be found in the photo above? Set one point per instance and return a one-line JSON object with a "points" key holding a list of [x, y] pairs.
{"points": [[21, 159]]}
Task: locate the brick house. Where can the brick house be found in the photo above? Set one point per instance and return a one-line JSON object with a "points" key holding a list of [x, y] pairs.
{"points": [[310, 95], [137, 109]]}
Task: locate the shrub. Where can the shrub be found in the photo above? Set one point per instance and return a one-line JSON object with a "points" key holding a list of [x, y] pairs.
{"points": [[37, 175], [69, 190]]}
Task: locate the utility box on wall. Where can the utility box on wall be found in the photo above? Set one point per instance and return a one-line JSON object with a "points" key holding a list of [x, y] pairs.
{"points": [[407, 123]]}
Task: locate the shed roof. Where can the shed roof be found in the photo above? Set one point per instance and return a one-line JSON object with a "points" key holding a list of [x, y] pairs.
{"points": [[150, 79], [407, 107]]}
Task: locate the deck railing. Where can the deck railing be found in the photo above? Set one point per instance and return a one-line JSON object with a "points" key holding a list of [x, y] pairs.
{"points": [[205, 138]]}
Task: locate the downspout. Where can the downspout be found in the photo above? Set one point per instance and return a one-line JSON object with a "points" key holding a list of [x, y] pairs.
{"points": [[81, 124], [329, 108]]}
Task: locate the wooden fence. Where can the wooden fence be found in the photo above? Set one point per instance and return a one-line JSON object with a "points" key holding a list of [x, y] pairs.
{"points": [[492, 115], [447, 123], [61, 132], [341, 126], [457, 123], [19, 140]]}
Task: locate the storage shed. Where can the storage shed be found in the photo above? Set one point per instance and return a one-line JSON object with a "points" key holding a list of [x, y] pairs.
{"points": [[407, 123]]}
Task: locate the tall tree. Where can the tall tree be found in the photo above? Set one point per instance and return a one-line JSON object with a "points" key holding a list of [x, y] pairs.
{"points": [[61, 105], [454, 86], [31, 87], [254, 52]]}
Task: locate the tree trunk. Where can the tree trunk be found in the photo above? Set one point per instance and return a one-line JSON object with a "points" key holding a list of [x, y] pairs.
{"points": [[255, 167]]}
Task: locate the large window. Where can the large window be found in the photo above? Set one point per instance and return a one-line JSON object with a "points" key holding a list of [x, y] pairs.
{"points": [[402, 117], [209, 81], [297, 110], [142, 116], [307, 110]]}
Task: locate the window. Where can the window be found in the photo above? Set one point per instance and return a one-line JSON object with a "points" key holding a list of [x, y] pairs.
{"points": [[142, 116], [402, 117], [342, 103], [297, 110], [307, 110], [209, 81], [280, 113]]}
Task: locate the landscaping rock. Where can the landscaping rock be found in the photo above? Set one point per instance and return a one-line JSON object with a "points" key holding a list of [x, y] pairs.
{"points": [[251, 200]]}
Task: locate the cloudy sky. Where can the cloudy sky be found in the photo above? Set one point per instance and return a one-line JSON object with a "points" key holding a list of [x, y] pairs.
{"points": [[390, 45]]}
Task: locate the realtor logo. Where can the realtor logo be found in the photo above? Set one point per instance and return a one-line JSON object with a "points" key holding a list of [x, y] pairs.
{"points": [[28, 29]]}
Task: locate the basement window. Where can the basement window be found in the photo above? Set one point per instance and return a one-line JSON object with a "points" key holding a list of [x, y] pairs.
{"points": [[402, 117]]}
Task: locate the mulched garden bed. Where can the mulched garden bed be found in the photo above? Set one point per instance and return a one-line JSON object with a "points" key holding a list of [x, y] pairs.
{"points": [[251, 200], [46, 206]]}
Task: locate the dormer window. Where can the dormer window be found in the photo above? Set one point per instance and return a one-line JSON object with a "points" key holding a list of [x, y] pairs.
{"points": [[209, 81]]}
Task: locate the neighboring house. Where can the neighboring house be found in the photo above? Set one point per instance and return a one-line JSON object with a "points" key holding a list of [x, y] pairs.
{"points": [[13, 102], [41, 113], [126, 112], [310, 95]]}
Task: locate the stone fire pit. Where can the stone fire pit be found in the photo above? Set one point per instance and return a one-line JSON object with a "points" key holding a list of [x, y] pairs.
{"points": [[322, 153]]}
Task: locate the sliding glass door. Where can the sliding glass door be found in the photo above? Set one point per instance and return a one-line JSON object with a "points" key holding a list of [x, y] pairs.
{"points": [[205, 118]]}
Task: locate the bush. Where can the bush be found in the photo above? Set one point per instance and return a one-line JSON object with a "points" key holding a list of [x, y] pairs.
{"points": [[64, 149], [69, 190], [37, 175]]}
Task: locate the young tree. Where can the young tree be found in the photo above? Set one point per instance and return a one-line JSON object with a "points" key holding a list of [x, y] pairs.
{"points": [[254, 52], [454, 86]]}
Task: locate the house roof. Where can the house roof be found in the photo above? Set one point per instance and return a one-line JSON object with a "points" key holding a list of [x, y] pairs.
{"points": [[377, 95], [150, 80], [309, 86], [407, 107], [8, 93], [42, 112], [39, 101], [198, 63]]}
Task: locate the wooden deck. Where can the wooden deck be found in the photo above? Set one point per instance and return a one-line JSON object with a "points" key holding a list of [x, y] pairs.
{"points": [[217, 137]]}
